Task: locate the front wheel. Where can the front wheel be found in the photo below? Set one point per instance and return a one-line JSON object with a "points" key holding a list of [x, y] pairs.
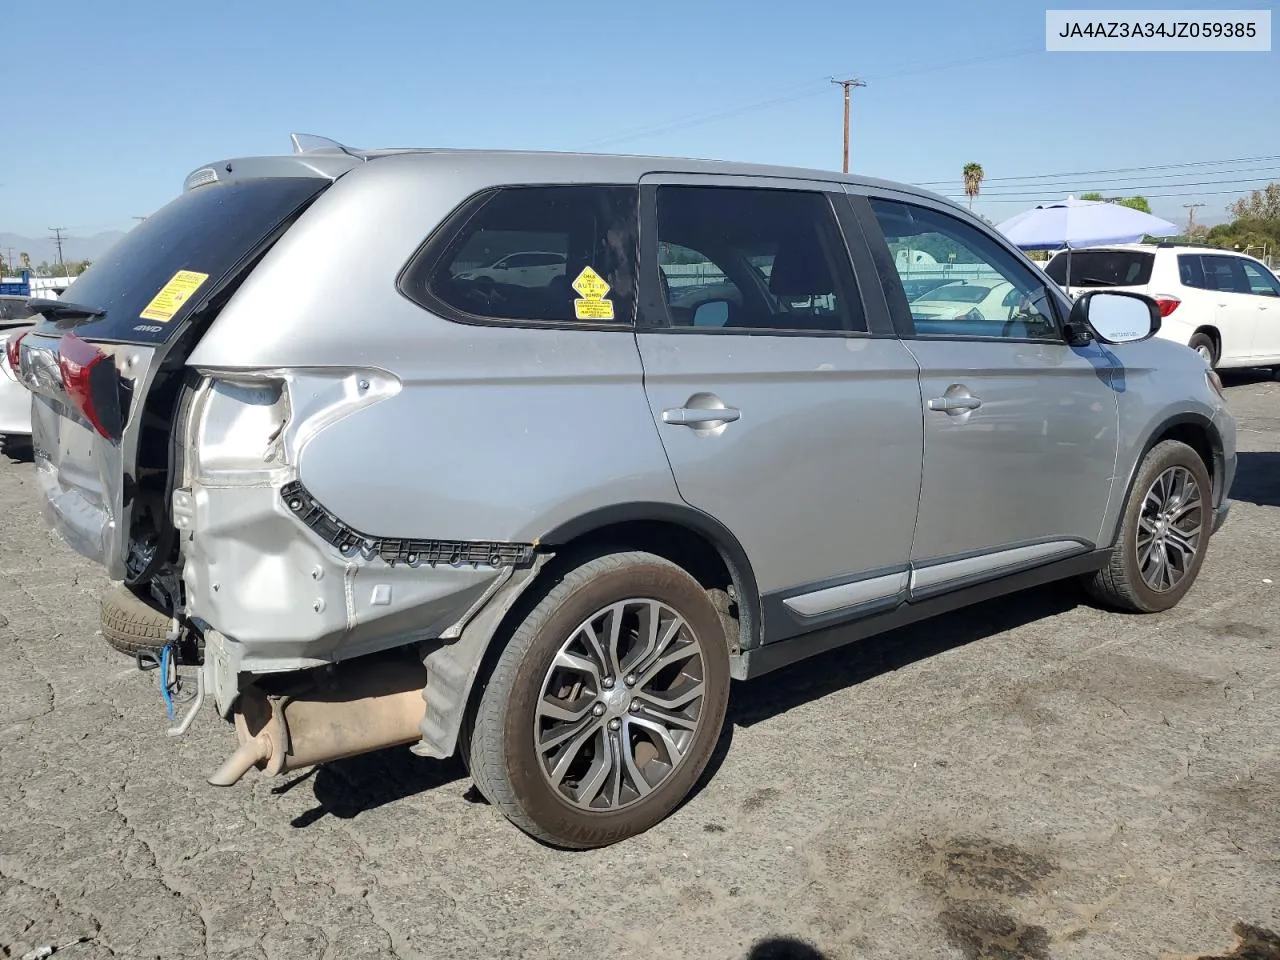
{"points": [[606, 704], [1164, 533]]}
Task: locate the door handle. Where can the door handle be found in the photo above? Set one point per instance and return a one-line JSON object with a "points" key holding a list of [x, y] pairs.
{"points": [[954, 404], [700, 416]]}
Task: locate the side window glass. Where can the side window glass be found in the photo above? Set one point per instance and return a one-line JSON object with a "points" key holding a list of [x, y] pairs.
{"points": [[560, 254], [1224, 275], [740, 258], [1190, 272], [1261, 282], [960, 282]]}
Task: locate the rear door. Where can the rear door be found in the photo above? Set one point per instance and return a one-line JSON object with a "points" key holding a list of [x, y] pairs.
{"points": [[1236, 312], [787, 408], [1264, 291], [1020, 428], [127, 323]]}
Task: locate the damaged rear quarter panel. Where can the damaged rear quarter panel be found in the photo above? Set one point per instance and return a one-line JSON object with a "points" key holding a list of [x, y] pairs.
{"points": [[497, 432]]}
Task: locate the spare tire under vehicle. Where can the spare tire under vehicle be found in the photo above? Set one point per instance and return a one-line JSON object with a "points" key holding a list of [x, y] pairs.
{"points": [[130, 623]]}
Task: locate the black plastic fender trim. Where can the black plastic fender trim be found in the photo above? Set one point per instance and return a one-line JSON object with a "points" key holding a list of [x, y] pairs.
{"points": [[351, 543]]}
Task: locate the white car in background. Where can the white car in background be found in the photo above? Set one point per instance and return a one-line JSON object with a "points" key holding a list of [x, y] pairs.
{"points": [[989, 299], [16, 318], [1222, 304], [533, 268]]}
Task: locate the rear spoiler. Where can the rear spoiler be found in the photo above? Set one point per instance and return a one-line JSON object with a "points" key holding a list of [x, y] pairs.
{"points": [[327, 161]]}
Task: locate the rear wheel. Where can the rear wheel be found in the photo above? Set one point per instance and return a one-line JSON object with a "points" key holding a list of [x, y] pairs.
{"points": [[1203, 344], [605, 706], [1164, 533], [131, 624]]}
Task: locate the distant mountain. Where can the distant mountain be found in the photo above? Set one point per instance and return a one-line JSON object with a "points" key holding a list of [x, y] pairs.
{"points": [[73, 248]]}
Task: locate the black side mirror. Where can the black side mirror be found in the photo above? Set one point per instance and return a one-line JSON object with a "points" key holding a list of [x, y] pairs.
{"points": [[1112, 316]]}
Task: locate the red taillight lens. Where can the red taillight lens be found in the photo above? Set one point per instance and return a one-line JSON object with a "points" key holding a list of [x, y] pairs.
{"points": [[13, 350], [1167, 305], [92, 384]]}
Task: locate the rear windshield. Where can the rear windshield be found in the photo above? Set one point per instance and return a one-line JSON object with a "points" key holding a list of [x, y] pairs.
{"points": [[1103, 268], [152, 278]]}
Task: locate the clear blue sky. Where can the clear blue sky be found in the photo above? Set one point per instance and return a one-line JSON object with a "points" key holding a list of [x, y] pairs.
{"points": [[154, 88]]}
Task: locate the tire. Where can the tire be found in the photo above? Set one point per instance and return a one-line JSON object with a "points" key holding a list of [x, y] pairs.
{"points": [[505, 762], [1121, 583], [130, 624], [1201, 342]]}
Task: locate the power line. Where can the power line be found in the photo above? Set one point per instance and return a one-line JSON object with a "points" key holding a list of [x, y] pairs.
{"points": [[1086, 173], [1129, 182], [1132, 188], [1033, 198], [785, 95]]}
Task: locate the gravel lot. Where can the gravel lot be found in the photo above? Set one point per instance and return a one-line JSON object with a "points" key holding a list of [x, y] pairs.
{"points": [[1032, 778]]}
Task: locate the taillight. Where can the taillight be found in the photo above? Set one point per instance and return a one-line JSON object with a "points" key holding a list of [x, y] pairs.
{"points": [[1167, 305], [92, 384], [14, 351]]}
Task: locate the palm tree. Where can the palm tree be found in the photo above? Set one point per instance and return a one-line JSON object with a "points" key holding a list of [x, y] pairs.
{"points": [[973, 175]]}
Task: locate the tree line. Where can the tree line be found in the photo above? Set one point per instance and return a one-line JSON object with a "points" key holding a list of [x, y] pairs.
{"points": [[68, 268]]}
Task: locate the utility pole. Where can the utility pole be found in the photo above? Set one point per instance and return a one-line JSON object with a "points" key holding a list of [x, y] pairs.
{"points": [[847, 84], [57, 238], [1191, 217]]}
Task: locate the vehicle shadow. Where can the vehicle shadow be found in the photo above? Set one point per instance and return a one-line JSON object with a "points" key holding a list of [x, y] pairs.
{"points": [[784, 948], [17, 450], [848, 666], [347, 788], [1257, 478], [1245, 376]]}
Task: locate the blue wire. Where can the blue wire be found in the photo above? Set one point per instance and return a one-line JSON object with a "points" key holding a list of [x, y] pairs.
{"points": [[164, 680]]}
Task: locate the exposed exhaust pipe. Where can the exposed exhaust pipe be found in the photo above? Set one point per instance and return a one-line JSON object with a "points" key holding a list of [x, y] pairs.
{"points": [[363, 705]]}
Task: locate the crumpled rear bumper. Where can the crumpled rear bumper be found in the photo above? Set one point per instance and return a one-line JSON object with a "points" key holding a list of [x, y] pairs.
{"points": [[271, 596]]}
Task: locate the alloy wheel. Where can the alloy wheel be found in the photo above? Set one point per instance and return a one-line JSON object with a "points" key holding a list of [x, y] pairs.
{"points": [[1170, 528], [620, 705]]}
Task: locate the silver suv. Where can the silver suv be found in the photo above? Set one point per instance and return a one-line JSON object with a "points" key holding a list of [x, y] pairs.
{"points": [[381, 496]]}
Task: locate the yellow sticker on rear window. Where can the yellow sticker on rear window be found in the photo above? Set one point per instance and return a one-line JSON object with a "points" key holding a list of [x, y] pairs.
{"points": [[593, 309], [173, 295], [593, 289]]}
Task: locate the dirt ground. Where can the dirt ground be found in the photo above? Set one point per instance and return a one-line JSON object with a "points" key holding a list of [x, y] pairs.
{"points": [[1031, 778]]}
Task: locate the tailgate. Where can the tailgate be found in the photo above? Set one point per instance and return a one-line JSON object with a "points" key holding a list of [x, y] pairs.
{"points": [[105, 361]]}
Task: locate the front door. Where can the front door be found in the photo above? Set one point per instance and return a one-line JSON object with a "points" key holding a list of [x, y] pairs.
{"points": [[782, 413], [1020, 429]]}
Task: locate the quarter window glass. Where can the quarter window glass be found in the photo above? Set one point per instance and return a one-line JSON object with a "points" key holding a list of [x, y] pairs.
{"points": [[1190, 271], [960, 282], [521, 249], [739, 258], [1261, 282]]}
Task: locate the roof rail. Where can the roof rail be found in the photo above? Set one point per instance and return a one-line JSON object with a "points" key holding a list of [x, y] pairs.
{"points": [[312, 143]]}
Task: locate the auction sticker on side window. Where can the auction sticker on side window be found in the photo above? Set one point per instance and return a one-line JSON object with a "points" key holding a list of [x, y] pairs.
{"points": [[173, 295], [592, 288]]}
